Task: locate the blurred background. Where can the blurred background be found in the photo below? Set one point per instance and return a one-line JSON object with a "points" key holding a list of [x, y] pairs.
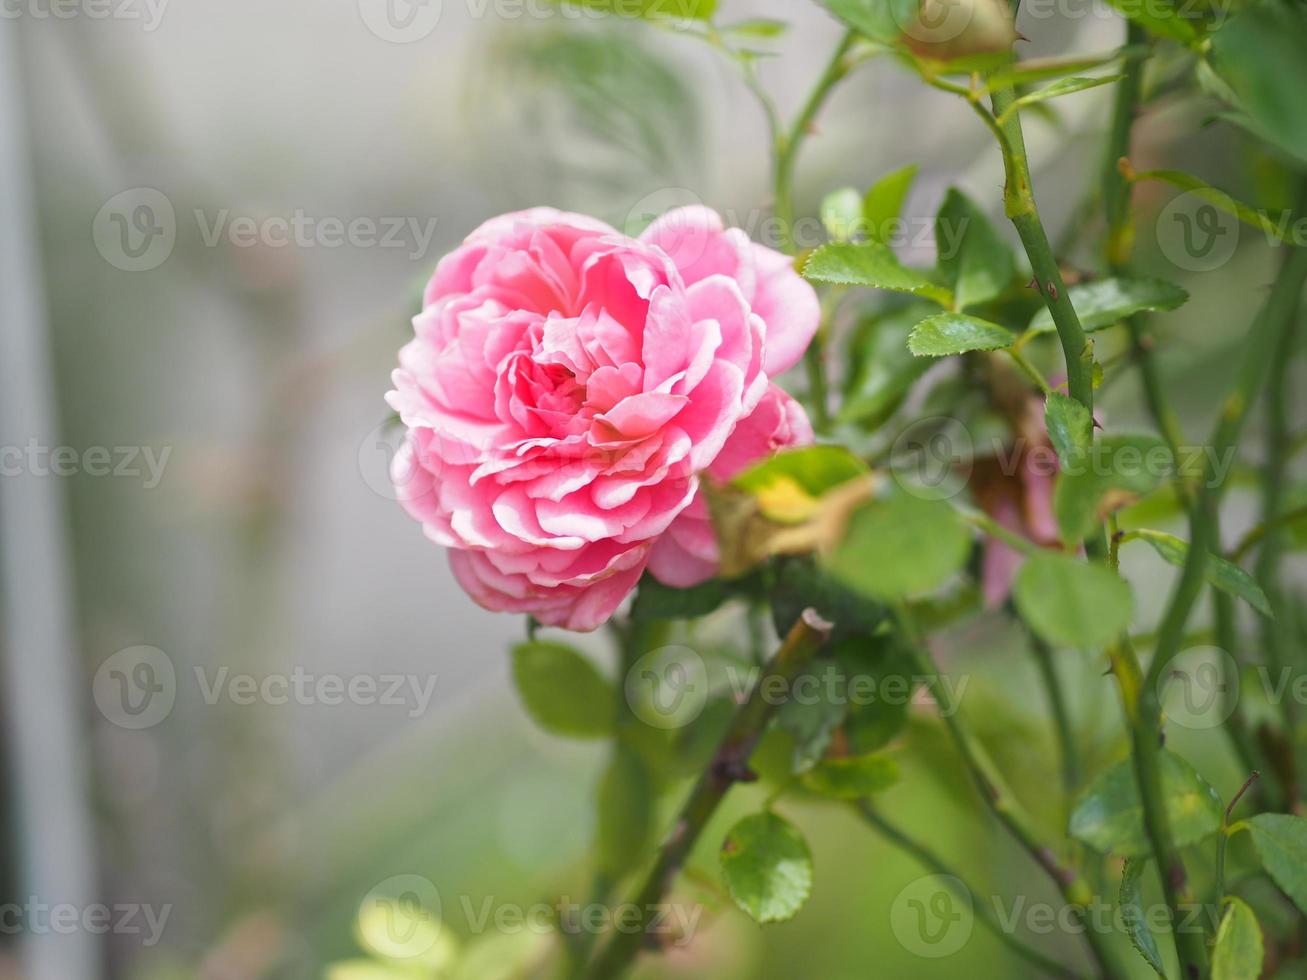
{"points": [[217, 221]]}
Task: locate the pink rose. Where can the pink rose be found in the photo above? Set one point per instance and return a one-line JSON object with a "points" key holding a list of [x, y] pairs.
{"points": [[565, 388]]}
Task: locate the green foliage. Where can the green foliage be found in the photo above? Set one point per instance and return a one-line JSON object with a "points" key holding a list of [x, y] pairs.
{"points": [[653, 600], [841, 214], [789, 485], [1109, 301], [767, 867], [1132, 914], [811, 720], [975, 261], [871, 264], [852, 778], [953, 333], [1221, 574], [653, 9], [901, 546], [1065, 86], [562, 691], [626, 810], [756, 27], [1109, 817], [801, 583], [1238, 952], [1070, 427], [878, 20], [1277, 225], [883, 203], [1281, 843], [1127, 465], [883, 369], [1258, 54], [1072, 603], [1165, 18]]}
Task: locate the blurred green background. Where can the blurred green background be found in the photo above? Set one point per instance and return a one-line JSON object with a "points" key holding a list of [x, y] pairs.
{"points": [[272, 543]]}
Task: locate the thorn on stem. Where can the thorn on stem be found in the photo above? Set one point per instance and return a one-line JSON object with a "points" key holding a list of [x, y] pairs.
{"points": [[1034, 284], [1052, 291]]}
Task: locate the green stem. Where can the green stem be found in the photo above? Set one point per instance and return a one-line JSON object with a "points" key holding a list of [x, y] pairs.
{"points": [[1274, 473], [785, 154], [1000, 799], [1019, 205], [729, 766], [1275, 317], [1061, 715], [788, 144], [930, 860]]}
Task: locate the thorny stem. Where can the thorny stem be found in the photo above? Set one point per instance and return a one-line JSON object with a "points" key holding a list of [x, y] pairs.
{"points": [[983, 913], [1275, 317], [1019, 204], [729, 766], [1000, 799], [786, 152]]}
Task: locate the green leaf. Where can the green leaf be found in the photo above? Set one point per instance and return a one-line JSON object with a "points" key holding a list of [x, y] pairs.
{"points": [[789, 485], [841, 214], [1132, 914], [1276, 224], [1166, 18], [757, 27], [653, 600], [1109, 818], [767, 867], [879, 20], [852, 778], [801, 584], [562, 691], [976, 262], [811, 721], [1281, 843], [901, 546], [956, 333], [883, 204], [1258, 54], [691, 9], [1109, 301], [1238, 952], [1070, 427], [1071, 603], [883, 369], [1031, 70], [1064, 87], [1221, 574], [871, 264], [626, 807], [1131, 464]]}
